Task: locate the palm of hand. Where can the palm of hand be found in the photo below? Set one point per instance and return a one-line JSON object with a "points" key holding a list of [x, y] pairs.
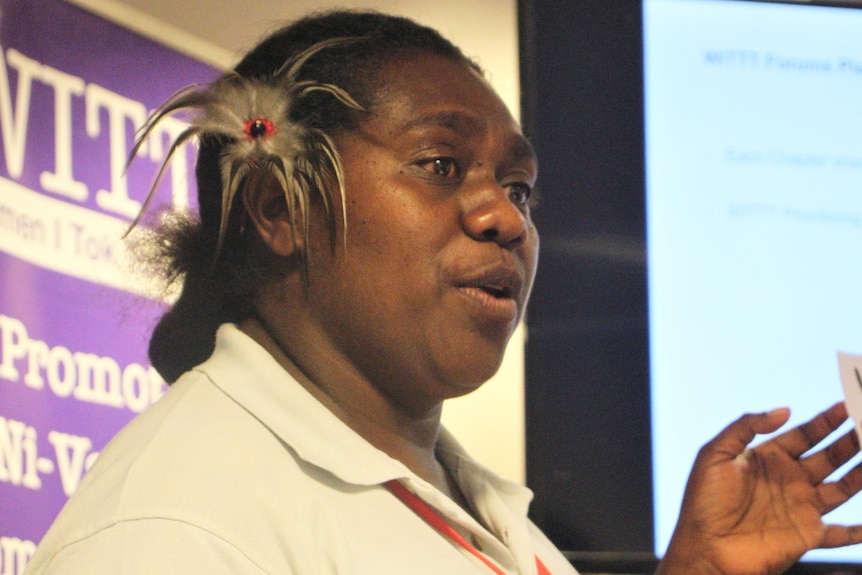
{"points": [[756, 511]]}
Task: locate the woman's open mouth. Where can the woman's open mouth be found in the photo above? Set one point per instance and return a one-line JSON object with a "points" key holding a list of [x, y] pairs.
{"points": [[495, 292]]}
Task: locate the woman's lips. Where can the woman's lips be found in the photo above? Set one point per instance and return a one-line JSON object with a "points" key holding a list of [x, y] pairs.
{"points": [[495, 291], [502, 307]]}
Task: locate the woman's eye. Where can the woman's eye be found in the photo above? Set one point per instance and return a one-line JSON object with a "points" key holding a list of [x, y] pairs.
{"points": [[520, 193], [444, 167]]}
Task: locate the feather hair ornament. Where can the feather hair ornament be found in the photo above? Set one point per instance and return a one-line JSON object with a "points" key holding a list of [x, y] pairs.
{"points": [[253, 116]]}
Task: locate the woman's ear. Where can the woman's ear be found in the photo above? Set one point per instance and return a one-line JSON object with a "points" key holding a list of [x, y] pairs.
{"points": [[266, 206]]}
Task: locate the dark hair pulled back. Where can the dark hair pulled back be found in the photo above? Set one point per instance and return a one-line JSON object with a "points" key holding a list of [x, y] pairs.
{"points": [[220, 284]]}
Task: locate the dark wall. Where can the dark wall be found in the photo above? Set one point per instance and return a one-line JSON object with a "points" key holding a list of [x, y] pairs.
{"points": [[588, 452]]}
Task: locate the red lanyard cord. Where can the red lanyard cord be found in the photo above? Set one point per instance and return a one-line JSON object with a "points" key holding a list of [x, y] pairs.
{"points": [[434, 519]]}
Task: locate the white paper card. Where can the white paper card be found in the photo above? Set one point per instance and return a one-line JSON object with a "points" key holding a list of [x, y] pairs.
{"points": [[850, 367]]}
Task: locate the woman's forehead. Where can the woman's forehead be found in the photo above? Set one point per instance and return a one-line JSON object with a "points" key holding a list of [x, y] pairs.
{"points": [[431, 90]]}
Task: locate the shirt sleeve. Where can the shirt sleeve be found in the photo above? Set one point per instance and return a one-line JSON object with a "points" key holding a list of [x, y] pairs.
{"points": [[149, 547]]}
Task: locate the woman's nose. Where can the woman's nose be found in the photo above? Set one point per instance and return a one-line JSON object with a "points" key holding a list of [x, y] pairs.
{"points": [[492, 216]]}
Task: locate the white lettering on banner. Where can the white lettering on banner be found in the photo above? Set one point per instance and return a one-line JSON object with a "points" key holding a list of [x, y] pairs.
{"points": [[14, 554], [170, 128], [74, 456], [18, 454], [61, 181], [54, 233], [86, 377], [21, 225], [122, 113], [119, 109], [69, 239], [21, 466], [14, 122]]}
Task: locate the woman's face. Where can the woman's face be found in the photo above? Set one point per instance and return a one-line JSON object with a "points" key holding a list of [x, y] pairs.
{"points": [[441, 251]]}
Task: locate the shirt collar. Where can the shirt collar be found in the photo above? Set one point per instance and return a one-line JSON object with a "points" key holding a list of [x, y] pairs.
{"points": [[250, 376], [477, 480]]}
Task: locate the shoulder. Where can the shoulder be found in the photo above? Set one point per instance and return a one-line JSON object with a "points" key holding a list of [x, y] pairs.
{"points": [[146, 547], [196, 476]]}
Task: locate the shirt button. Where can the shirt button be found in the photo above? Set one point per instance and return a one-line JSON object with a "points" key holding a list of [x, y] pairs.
{"points": [[475, 540]]}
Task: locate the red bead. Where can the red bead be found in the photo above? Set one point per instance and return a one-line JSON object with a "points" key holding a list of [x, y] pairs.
{"points": [[259, 128]]}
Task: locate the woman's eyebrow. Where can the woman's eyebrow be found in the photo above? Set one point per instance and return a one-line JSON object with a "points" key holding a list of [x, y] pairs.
{"points": [[521, 148], [452, 119]]}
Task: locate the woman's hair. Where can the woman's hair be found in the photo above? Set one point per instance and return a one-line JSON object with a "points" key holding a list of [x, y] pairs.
{"points": [[222, 270]]}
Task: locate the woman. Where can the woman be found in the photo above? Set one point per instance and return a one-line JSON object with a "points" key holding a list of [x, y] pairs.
{"points": [[364, 251]]}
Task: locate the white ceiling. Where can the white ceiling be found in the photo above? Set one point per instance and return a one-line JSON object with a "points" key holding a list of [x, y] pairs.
{"points": [[235, 25], [231, 27], [220, 31]]}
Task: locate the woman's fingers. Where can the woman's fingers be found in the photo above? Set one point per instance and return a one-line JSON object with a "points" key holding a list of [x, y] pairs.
{"points": [[836, 493], [734, 439], [823, 463], [802, 438], [840, 535]]}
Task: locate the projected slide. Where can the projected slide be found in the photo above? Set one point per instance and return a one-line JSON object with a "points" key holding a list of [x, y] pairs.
{"points": [[754, 213]]}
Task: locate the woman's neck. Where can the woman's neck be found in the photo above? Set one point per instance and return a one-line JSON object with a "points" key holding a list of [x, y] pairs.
{"points": [[405, 436]]}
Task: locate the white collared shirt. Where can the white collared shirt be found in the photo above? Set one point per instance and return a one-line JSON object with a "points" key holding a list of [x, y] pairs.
{"points": [[239, 470]]}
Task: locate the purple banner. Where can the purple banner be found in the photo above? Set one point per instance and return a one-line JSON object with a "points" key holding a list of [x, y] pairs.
{"points": [[74, 322]]}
